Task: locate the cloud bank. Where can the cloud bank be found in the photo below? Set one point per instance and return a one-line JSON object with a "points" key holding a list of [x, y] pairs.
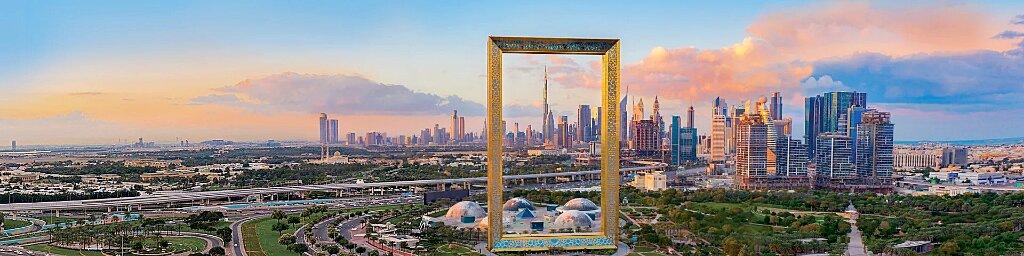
{"points": [[342, 94]]}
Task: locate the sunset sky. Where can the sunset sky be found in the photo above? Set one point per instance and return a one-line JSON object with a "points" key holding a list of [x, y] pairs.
{"points": [[96, 72]]}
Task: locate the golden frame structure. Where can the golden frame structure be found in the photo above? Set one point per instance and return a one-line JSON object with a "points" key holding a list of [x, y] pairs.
{"points": [[607, 235]]}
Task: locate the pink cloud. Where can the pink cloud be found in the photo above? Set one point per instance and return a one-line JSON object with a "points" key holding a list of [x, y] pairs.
{"points": [[745, 70], [898, 28]]}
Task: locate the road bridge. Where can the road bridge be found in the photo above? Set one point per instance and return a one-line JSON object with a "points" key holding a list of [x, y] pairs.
{"points": [[138, 201]]}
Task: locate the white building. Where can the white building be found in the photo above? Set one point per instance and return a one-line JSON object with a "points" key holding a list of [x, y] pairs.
{"points": [[651, 181]]}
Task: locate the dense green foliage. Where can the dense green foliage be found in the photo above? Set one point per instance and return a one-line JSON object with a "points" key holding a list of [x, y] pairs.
{"points": [[105, 167], [771, 221]]}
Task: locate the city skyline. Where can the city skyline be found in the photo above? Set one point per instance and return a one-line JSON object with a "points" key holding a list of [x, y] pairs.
{"points": [[70, 83]]}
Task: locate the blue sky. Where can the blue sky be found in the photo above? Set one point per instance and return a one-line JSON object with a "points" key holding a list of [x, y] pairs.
{"points": [[178, 65]]}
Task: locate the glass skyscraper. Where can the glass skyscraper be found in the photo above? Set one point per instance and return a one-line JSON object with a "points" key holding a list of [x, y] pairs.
{"points": [[823, 114]]}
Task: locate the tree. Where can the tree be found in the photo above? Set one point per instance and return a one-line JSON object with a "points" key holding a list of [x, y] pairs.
{"points": [[224, 234], [279, 227], [217, 251], [286, 239], [360, 250], [731, 246], [949, 248], [294, 220], [278, 215], [298, 248], [332, 249]]}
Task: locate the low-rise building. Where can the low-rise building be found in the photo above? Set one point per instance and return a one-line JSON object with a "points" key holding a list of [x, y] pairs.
{"points": [[654, 181]]}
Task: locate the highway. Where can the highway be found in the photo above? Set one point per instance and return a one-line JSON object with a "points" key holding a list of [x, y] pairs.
{"points": [[205, 195]]}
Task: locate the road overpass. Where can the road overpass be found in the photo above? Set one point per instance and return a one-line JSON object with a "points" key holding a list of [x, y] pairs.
{"points": [[208, 195]]}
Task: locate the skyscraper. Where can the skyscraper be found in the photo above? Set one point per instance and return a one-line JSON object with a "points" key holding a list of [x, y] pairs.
{"points": [[833, 161], [813, 107], [548, 126], [324, 135], [529, 135], [516, 138], [597, 124], [658, 120], [332, 131], [683, 142], [462, 129], [824, 113], [793, 160], [645, 138], [584, 128], [718, 140], [454, 128], [563, 133], [623, 120], [351, 139], [751, 150], [874, 147], [689, 117], [776, 106]]}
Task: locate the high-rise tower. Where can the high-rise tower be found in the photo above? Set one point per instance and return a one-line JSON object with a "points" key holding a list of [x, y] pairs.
{"points": [[689, 117], [776, 106], [324, 127], [751, 150], [547, 128], [874, 148], [584, 128], [623, 119], [455, 127], [658, 120], [332, 130]]}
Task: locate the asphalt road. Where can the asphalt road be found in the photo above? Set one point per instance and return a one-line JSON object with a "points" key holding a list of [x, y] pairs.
{"points": [[236, 234], [320, 230]]}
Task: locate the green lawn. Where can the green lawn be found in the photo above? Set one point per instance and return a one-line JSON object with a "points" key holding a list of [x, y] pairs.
{"points": [[251, 240], [61, 251], [455, 250], [178, 244], [183, 244], [9, 223], [267, 237]]}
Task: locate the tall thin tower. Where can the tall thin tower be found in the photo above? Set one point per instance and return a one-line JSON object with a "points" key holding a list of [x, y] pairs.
{"points": [[689, 117], [548, 119]]}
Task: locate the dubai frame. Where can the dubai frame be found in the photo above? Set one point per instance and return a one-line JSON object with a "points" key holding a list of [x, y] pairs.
{"points": [[607, 236]]}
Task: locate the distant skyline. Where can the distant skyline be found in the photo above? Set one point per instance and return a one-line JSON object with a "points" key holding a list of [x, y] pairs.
{"points": [[102, 71]]}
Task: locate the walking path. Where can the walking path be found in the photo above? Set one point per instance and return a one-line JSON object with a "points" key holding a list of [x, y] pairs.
{"points": [[856, 245]]}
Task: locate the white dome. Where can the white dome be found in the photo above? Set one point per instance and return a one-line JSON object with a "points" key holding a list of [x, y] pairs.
{"points": [[465, 208], [580, 204], [517, 203], [573, 219]]}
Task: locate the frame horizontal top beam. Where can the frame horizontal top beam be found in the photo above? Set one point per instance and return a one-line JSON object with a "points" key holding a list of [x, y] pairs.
{"points": [[535, 45]]}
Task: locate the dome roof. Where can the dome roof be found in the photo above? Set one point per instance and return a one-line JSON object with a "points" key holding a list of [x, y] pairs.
{"points": [[465, 208], [484, 223], [573, 219], [517, 203], [580, 204]]}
